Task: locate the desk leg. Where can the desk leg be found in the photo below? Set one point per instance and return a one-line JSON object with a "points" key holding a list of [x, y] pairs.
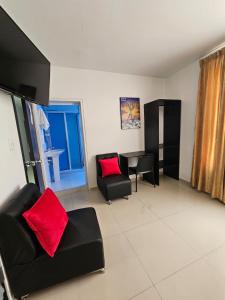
{"points": [[124, 165]]}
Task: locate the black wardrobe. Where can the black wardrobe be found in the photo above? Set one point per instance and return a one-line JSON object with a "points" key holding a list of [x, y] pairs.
{"points": [[171, 136]]}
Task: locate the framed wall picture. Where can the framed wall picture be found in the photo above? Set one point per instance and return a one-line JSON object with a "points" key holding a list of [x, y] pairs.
{"points": [[130, 113]]}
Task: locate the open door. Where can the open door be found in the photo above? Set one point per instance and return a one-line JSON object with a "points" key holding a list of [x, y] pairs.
{"points": [[28, 141]]}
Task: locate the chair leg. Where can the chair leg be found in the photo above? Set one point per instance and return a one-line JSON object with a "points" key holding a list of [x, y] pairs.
{"points": [[136, 182], [153, 173], [126, 197]]}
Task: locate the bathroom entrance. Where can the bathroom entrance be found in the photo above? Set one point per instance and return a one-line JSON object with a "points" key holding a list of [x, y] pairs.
{"points": [[62, 145]]}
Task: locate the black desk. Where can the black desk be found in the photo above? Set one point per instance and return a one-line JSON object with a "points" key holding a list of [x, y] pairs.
{"points": [[133, 154], [124, 163]]}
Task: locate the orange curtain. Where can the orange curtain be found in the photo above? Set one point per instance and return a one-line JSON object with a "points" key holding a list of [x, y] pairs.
{"points": [[209, 151]]}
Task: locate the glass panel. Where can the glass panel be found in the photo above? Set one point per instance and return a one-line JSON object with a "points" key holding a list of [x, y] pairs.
{"points": [[73, 140], [23, 137]]}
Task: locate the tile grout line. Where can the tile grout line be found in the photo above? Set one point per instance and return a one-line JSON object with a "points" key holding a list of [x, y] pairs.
{"points": [[189, 244], [145, 290], [162, 220], [172, 274], [136, 226], [179, 270], [133, 250], [163, 217], [140, 225], [188, 264], [181, 237], [142, 265], [143, 202]]}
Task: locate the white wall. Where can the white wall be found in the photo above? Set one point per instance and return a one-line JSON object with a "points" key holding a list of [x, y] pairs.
{"points": [[100, 92], [11, 163], [184, 85]]}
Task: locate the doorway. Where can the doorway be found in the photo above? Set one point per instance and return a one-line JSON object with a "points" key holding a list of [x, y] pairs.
{"points": [[61, 144]]}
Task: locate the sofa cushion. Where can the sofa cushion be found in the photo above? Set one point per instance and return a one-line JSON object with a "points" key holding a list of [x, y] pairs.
{"points": [[115, 186], [48, 219], [110, 166], [80, 251], [103, 156]]}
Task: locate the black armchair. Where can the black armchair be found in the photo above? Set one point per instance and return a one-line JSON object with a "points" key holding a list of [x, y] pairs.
{"points": [[28, 268], [114, 186]]}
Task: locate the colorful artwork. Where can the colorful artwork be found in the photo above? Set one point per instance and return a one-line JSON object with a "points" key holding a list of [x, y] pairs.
{"points": [[130, 113]]}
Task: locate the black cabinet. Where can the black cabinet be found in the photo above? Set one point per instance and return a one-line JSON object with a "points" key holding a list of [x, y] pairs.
{"points": [[171, 136]]}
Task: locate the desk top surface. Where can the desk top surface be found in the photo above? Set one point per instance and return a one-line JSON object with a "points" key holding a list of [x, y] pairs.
{"points": [[133, 154]]}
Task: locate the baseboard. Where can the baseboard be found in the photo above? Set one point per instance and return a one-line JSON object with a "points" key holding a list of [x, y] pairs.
{"points": [[70, 191], [185, 181]]}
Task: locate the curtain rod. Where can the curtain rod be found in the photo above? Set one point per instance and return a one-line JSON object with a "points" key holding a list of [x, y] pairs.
{"points": [[219, 47]]}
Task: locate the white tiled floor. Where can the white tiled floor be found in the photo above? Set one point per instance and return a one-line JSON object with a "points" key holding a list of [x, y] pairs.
{"points": [[164, 243], [69, 180]]}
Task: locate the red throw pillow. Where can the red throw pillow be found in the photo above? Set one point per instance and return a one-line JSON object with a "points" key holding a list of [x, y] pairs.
{"points": [[110, 166], [48, 219]]}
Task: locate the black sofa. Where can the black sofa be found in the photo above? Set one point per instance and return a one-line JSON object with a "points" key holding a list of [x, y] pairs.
{"points": [[114, 186], [27, 266]]}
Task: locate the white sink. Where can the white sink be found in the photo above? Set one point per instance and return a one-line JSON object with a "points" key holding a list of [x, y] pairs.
{"points": [[54, 154]]}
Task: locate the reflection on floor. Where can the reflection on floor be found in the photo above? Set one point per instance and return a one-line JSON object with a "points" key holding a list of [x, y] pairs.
{"points": [[70, 180], [164, 243]]}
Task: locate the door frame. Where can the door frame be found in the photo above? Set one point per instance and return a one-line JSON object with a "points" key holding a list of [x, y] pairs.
{"points": [[63, 101]]}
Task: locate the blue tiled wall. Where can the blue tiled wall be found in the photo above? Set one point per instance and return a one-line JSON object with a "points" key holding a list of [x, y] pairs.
{"points": [[59, 134]]}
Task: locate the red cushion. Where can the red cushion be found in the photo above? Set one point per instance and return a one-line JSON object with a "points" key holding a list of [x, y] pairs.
{"points": [[48, 219], [110, 166]]}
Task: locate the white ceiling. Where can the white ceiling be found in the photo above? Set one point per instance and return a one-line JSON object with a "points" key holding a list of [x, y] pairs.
{"points": [[145, 37]]}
